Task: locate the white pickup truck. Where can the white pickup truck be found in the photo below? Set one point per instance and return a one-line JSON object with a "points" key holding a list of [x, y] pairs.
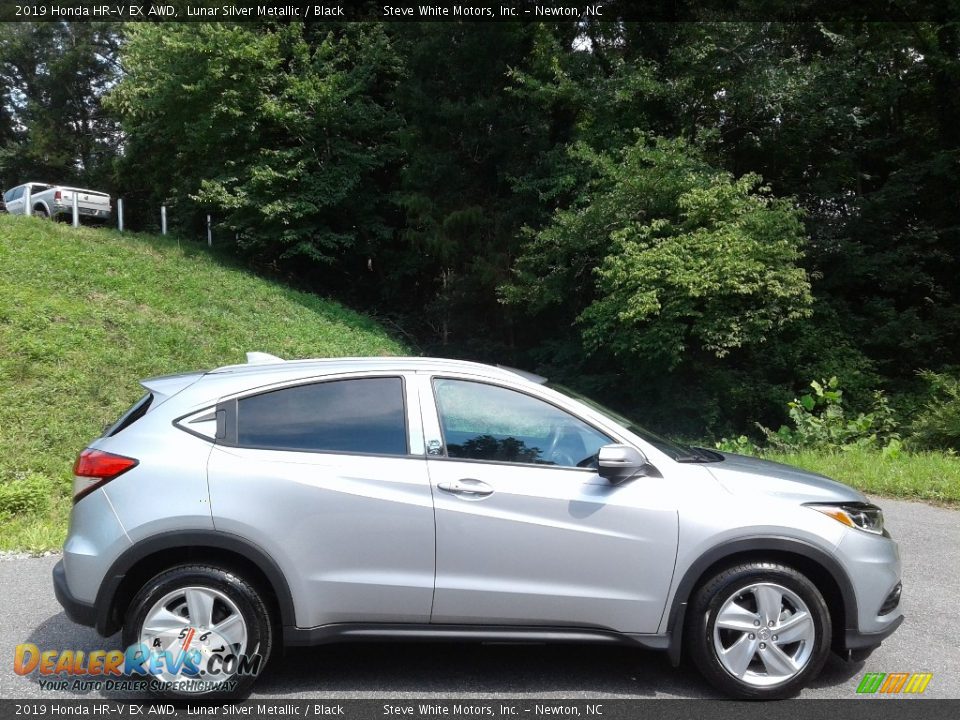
{"points": [[56, 201]]}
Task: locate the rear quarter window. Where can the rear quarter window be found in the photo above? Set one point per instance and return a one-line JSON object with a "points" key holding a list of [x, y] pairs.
{"points": [[363, 415]]}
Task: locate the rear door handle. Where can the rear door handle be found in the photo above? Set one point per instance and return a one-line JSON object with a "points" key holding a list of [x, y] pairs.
{"points": [[466, 488]]}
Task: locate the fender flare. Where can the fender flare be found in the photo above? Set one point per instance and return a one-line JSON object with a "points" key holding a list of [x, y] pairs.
{"points": [[191, 541], [753, 544]]}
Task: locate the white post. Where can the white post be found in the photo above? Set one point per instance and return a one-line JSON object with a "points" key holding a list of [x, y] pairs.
{"points": [[209, 233], [76, 210], [163, 219], [120, 214], [27, 201]]}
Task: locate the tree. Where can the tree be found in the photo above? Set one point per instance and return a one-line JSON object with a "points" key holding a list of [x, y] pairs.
{"points": [[668, 257], [54, 77], [465, 141], [281, 130]]}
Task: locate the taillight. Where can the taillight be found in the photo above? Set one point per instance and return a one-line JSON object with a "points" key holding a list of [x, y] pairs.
{"points": [[57, 195], [95, 468]]}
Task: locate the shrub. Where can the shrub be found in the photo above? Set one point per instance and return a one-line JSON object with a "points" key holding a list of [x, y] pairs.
{"points": [[820, 421], [741, 445], [26, 494], [937, 426]]}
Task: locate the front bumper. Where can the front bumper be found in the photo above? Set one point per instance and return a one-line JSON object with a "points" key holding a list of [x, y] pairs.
{"points": [[855, 640], [872, 563], [80, 612], [858, 646]]}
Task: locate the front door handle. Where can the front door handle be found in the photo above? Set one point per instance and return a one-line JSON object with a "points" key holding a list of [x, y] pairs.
{"points": [[467, 488]]}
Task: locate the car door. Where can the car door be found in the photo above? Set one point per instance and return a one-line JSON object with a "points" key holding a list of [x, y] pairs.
{"points": [[329, 478], [15, 204], [527, 532]]}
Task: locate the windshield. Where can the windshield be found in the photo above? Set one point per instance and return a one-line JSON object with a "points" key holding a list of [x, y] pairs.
{"points": [[675, 450]]}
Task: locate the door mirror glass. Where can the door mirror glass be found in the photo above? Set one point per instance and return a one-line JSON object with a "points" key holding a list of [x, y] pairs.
{"points": [[619, 463]]}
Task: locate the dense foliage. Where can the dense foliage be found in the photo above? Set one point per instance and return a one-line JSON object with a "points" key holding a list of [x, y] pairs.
{"points": [[937, 425], [687, 219]]}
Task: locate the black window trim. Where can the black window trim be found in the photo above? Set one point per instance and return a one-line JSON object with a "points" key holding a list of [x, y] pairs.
{"points": [[479, 381], [136, 411], [229, 407], [183, 422]]}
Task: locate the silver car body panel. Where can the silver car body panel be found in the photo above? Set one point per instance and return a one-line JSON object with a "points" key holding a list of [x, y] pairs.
{"points": [[96, 538]]}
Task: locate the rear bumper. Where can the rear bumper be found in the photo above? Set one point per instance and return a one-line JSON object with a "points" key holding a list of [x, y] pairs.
{"points": [[84, 212], [80, 612]]}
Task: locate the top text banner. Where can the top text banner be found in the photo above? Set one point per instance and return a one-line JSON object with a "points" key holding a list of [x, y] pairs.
{"points": [[507, 11]]}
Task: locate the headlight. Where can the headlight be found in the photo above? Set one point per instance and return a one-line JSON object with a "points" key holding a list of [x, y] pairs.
{"points": [[857, 515]]}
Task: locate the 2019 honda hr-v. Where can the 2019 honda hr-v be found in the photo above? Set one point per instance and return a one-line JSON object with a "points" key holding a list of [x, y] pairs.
{"points": [[311, 501]]}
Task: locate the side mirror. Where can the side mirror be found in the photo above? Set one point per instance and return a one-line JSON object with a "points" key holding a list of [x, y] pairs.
{"points": [[619, 463]]}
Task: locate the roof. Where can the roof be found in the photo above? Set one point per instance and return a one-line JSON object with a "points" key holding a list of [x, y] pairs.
{"points": [[258, 362]]}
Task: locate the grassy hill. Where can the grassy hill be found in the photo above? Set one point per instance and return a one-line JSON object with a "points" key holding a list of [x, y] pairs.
{"points": [[86, 313]]}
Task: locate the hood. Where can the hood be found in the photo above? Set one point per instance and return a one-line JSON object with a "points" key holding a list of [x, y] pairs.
{"points": [[740, 474]]}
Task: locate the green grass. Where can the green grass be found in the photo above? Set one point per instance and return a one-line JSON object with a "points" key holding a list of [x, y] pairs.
{"points": [[929, 476], [86, 313]]}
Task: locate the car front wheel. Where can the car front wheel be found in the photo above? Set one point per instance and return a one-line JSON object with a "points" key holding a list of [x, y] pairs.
{"points": [[759, 630]]}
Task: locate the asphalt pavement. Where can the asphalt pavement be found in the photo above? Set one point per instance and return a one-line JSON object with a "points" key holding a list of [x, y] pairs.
{"points": [[928, 641]]}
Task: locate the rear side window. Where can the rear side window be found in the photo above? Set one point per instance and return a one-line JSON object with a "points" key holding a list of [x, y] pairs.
{"points": [[131, 416], [365, 415]]}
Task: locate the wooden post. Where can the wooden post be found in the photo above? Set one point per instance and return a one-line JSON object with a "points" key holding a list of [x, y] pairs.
{"points": [[27, 201], [76, 210], [120, 214], [163, 219], [209, 233]]}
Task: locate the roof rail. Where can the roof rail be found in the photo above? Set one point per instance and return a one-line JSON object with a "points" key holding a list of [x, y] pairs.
{"points": [[262, 358]]}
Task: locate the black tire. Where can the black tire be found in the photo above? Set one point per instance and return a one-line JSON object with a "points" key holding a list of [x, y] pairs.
{"points": [[701, 623], [41, 213], [245, 596]]}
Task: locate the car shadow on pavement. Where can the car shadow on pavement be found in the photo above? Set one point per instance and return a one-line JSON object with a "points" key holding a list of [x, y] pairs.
{"points": [[454, 669], [59, 633], [371, 670], [836, 672]]}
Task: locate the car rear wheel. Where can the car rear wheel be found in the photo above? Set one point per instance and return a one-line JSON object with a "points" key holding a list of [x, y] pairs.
{"points": [[41, 213], [759, 630], [202, 631]]}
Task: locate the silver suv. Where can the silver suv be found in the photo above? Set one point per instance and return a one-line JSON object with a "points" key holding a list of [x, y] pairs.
{"points": [[313, 501]]}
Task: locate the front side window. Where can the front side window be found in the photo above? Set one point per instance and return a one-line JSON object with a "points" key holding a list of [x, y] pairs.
{"points": [[364, 415], [487, 422]]}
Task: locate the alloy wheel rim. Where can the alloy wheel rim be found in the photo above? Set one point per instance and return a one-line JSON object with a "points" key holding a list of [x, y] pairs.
{"points": [[764, 634], [200, 620]]}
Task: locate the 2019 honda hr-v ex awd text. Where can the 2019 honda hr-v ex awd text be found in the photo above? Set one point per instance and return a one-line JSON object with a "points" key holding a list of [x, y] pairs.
{"points": [[232, 511]]}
